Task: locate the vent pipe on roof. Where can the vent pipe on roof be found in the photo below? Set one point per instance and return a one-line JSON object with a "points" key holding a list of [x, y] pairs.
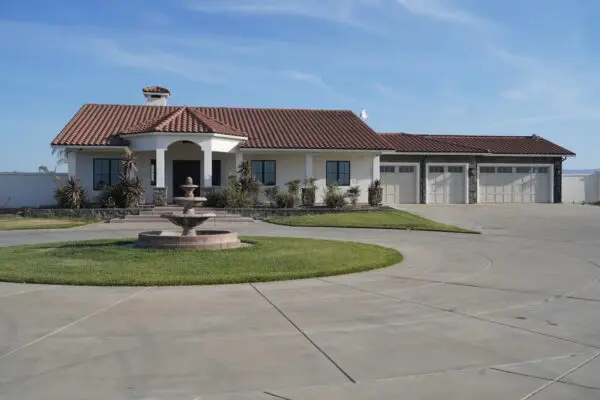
{"points": [[156, 95]]}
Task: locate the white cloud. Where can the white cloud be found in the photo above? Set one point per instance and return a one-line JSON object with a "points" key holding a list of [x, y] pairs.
{"points": [[346, 12], [308, 78], [439, 11]]}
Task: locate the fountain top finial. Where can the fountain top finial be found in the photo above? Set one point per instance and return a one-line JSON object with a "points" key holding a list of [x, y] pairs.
{"points": [[189, 180]]}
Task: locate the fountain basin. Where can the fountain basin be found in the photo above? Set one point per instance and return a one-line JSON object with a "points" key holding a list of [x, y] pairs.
{"points": [[203, 239], [188, 221]]}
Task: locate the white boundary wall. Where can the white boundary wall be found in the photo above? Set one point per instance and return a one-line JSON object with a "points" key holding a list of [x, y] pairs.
{"points": [[29, 189], [579, 188]]}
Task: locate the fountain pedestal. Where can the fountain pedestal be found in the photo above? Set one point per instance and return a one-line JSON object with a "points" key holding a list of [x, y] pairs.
{"points": [[189, 220]]}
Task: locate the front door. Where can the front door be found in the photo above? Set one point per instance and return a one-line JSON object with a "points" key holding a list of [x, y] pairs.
{"points": [[181, 170]]}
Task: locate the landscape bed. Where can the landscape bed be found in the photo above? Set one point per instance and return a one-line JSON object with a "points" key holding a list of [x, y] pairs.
{"points": [[119, 263]]}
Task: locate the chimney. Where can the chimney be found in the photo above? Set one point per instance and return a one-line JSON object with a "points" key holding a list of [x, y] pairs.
{"points": [[156, 95]]}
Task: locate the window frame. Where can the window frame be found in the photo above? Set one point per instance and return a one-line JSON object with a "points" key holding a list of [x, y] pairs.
{"points": [[261, 178], [487, 170], [505, 170], [521, 170], [337, 173], [96, 186], [456, 169], [406, 169], [435, 169], [390, 169]]}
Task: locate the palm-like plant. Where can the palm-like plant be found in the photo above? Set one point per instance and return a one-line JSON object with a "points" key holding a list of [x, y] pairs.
{"points": [[71, 195]]}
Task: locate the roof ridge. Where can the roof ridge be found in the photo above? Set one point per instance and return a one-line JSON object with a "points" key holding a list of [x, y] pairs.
{"points": [[223, 107], [204, 115], [168, 118], [146, 125]]}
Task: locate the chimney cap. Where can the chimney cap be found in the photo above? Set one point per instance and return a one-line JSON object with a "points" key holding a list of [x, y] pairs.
{"points": [[156, 89]]}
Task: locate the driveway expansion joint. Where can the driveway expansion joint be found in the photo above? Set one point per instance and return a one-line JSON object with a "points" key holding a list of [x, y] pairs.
{"points": [[312, 342]]}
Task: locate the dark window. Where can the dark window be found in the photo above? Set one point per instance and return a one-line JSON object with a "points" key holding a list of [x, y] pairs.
{"points": [[436, 170], [216, 172], [455, 169], [523, 170], [106, 172], [387, 168], [487, 170], [542, 170], [338, 173], [265, 171], [505, 170], [406, 170], [153, 172]]}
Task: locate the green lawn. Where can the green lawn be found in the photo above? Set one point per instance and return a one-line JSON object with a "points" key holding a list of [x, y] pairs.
{"points": [[111, 262], [368, 219], [18, 223]]}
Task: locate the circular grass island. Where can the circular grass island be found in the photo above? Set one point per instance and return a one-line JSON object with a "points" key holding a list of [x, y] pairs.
{"points": [[119, 263]]}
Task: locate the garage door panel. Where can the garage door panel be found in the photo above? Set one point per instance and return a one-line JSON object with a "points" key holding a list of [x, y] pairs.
{"points": [[446, 184], [399, 184], [516, 184]]}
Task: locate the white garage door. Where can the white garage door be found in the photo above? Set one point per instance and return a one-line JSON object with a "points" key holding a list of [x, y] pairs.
{"points": [[399, 184], [446, 184], [514, 184]]}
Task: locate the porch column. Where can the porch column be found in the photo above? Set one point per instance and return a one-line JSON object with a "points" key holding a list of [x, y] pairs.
{"points": [[239, 158], [160, 191], [207, 166], [308, 166], [160, 168], [376, 173]]}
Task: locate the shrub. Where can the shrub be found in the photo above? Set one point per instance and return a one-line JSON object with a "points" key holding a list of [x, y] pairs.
{"points": [[271, 195], [285, 200], [216, 198], [128, 193], [375, 192], [353, 194], [71, 194], [234, 194], [309, 192], [334, 198]]}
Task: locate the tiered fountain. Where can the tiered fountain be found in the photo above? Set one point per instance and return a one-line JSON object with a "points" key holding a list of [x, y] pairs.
{"points": [[190, 238]]}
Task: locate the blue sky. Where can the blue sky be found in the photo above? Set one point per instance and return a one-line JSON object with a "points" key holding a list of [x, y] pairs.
{"points": [[423, 66]]}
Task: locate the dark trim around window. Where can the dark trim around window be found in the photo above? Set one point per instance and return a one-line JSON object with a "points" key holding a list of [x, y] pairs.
{"points": [[105, 172], [337, 173], [265, 171]]}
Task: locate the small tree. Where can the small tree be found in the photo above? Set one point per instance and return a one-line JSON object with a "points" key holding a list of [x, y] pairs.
{"points": [[375, 192], [309, 192], [249, 185]]}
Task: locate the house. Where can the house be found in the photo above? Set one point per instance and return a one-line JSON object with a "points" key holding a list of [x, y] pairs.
{"points": [[332, 146]]}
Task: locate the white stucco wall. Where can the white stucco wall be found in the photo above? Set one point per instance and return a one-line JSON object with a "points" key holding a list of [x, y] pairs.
{"points": [[29, 189], [290, 166], [578, 188]]}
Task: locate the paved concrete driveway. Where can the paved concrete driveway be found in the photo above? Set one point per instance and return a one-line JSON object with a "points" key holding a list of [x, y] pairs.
{"points": [[511, 314]]}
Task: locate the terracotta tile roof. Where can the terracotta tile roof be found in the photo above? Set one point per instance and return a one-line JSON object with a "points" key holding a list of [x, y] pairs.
{"points": [[155, 89], [101, 124], [409, 143], [184, 120]]}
